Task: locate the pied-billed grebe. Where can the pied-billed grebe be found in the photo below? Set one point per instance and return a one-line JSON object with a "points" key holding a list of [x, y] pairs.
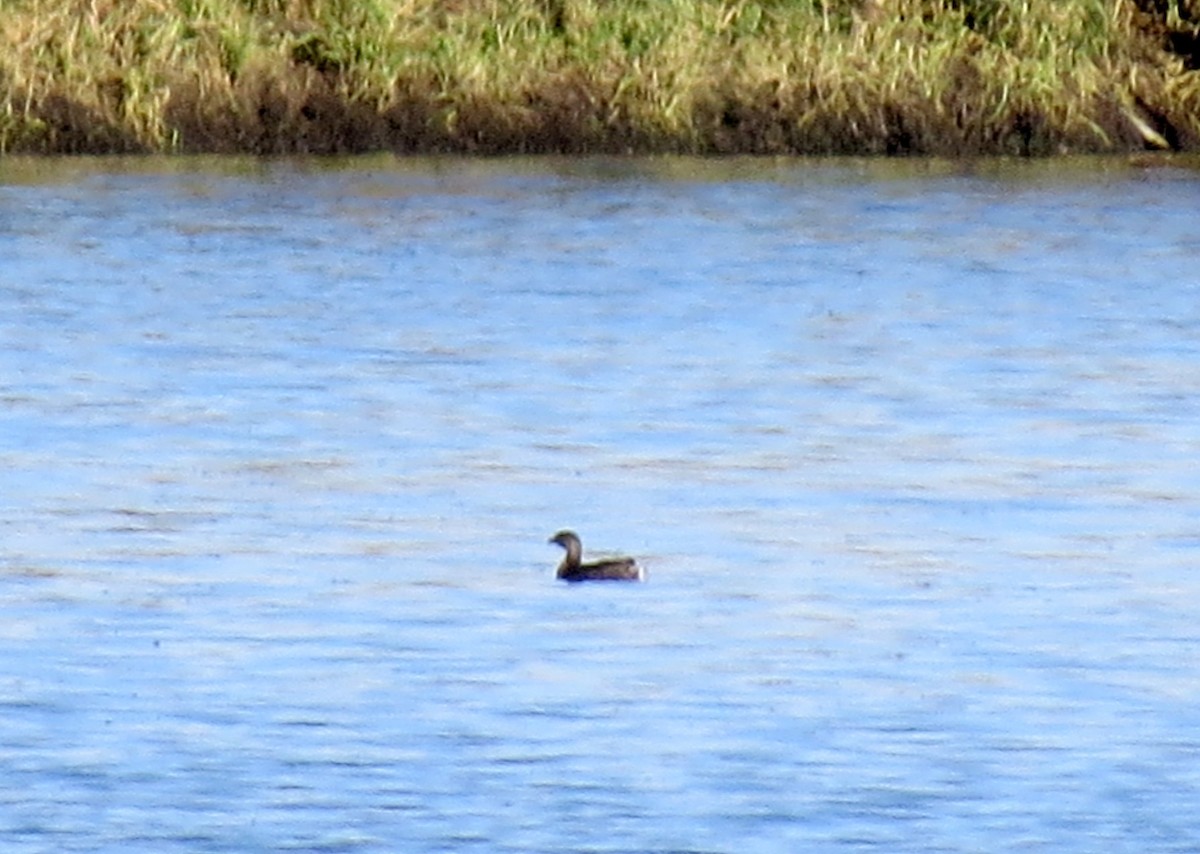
{"points": [[613, 569]]}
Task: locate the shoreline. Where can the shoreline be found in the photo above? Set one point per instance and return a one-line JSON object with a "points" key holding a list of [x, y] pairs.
{"points": [[944, 78]]}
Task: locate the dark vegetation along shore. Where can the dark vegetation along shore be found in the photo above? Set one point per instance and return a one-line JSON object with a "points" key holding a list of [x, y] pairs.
{"points": [[943, 77]]}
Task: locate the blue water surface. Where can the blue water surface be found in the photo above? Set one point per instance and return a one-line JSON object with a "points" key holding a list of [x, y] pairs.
{"points": [[909, 452]]}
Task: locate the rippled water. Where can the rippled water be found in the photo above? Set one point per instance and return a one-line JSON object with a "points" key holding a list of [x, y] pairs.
{"points": [[909, 452]]}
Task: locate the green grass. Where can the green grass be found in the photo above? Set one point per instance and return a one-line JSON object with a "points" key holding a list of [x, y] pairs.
{"points": [[945, 77]]}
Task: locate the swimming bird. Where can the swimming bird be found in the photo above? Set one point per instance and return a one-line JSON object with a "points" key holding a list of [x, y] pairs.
{"points": [[613, 569]]}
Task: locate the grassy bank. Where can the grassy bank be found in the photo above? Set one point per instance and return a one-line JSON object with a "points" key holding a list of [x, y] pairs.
{"points": [[944, 77]]}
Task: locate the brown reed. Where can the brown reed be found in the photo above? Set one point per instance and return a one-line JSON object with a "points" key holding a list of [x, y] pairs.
{"points": [[943, 77]]}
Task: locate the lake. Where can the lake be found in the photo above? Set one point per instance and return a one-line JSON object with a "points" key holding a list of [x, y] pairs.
{"points": [[907, 449]]}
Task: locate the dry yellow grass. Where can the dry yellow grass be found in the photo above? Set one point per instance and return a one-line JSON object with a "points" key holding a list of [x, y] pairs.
{"points": [[945, 77]]}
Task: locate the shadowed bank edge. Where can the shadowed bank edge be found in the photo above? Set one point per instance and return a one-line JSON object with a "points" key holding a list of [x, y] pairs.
{"points": [[573, 569], [938, 77]]}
